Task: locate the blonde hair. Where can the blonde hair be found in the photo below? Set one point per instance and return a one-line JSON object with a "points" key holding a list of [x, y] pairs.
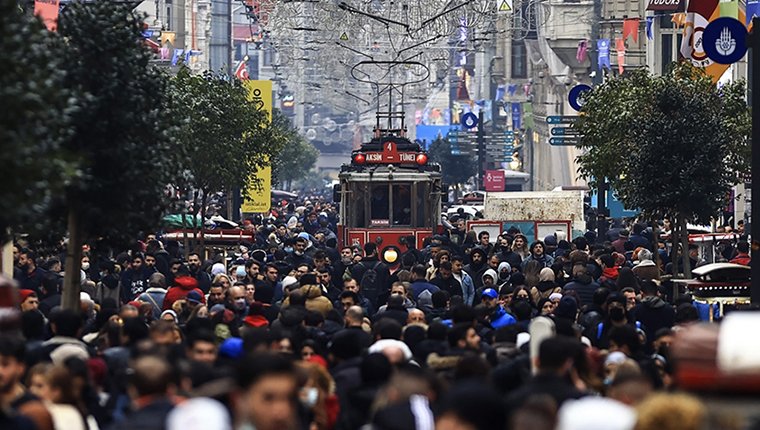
{"points": [[670, 412]]}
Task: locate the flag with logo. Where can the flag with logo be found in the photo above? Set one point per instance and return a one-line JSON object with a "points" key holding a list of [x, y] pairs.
{"points": [[603, 49], [698, 15]]}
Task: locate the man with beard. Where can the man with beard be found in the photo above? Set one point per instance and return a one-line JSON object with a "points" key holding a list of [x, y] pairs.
{"points": [[464, 279], [506, 254], [497, 315], [538, 253], [342, 269], [215, 295], [29, 411], [298, 256], [134, 281], [203, 278], [444, 280], [477, 266], [30, 276]]}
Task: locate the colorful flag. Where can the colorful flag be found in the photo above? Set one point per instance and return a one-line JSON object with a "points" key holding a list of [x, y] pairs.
{"points": [[650, 22], [527, 108], [176, 56], [631, 28], [500, 90], [753, 9], [698, 15], [620, 48], [47, 10], [512, 89], [679, 19], [729, 8], [603, 48], [241, 71], [580, 53], [516, 116]]}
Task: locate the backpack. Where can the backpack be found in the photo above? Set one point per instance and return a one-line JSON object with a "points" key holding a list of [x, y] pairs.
{"points": [[369, 279]]}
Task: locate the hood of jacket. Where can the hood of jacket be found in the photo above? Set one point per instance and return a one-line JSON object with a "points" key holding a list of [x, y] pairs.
{"points": [[311, 291], [653, 302], [492, 273], [187, 283], [504, 265]]}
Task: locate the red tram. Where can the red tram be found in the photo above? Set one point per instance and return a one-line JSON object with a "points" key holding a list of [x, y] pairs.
{"points": [[389, 193]]}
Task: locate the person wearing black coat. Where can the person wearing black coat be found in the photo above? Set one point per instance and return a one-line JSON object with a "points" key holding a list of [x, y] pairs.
{"points": [[583, 284]]}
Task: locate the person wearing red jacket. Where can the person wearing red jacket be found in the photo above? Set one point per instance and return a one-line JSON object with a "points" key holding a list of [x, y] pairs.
{"points": [[183, 285]]}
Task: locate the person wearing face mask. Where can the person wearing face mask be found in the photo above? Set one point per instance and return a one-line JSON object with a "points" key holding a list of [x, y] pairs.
{"points": [[616, 316], [236, 302]]}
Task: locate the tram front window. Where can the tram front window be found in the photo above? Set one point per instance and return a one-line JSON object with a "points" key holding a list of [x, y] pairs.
{"points": [[379, 203], [402, 204]]}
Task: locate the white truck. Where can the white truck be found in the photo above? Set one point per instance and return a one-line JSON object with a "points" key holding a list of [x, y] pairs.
{"points": [[536, 213]]}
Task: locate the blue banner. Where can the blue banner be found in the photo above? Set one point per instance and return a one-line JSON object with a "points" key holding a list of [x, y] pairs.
{"points": [[753, 9], [516, 116], [603, 48], [650, 21]]}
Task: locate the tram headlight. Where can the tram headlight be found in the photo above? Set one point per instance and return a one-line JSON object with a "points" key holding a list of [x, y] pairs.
{"points": [[391, 254], [360, 159], [421, 159]]}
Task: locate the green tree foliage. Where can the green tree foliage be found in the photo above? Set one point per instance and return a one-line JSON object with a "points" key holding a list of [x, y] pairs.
{"points": [[456, 169], [297, 157], [670, 145], [35, 118], [121, 141]]}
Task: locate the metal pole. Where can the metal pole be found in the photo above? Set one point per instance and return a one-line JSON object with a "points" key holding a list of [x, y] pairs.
{"points": [[754, 43], [481, 149], [601, 214], [530, 143]]}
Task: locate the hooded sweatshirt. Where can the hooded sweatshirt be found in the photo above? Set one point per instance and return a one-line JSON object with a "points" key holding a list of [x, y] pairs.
{"points": [[493, 275], [502, 279], [182, 287], [476, 271]]}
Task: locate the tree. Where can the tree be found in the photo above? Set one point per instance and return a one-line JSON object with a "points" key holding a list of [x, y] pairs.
{"points": [[297, 157], [35, 119], [456, 169], [670, 145], [225, 136], [121, 141]]}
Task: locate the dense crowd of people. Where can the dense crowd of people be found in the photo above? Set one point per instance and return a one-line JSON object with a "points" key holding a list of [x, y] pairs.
{"points": [[293, 332]]}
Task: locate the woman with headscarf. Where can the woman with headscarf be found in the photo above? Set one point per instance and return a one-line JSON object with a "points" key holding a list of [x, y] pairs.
{"points": [[546, 285]]}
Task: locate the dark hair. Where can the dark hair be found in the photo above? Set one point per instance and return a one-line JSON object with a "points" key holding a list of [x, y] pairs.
{"points": [[12, 346], [686, 312], [457, 257], [201, 336], [742, 247], [351, 294], [445, 265], [463, 314], [440, 298], [608, 260], [319, 255], [649, 288], [387, 328], [458, 332], [600, 296], [33, 325], [626, 335], [67, 322], [375, 369], [483, 233], [554, 352], [419, 270], [255, 367], [370, 248]]}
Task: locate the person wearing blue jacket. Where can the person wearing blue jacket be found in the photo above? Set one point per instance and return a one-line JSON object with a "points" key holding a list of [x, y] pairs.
{"points": [[498, 316]]}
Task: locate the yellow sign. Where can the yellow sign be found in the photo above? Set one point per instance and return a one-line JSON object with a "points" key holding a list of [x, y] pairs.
{"points": [[505, 6], [344, 36], [259, 198]]}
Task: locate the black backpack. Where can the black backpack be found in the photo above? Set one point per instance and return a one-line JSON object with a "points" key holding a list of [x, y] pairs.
{"points": [[369, 280]]}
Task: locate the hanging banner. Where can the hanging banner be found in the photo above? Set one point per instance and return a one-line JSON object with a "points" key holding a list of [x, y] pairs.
{"points": [[580, 53], [753, 9], [527, 108], [47, 10], [698, 15], [259, 198], [631, 28], [729, 8], [650, 22], [620, 48], [516, 116], [603, 48]]}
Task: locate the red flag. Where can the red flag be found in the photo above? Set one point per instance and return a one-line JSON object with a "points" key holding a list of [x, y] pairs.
{"points": [[241, 72], [631, 28], [620, 48], [48, 11]]}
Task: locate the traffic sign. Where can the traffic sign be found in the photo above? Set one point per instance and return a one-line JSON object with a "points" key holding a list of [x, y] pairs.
{"points": [[565, 141], [505, 6], [344, 36], [573, 97], [725, 40], [565, 119], [469, 120], [564, 131]]}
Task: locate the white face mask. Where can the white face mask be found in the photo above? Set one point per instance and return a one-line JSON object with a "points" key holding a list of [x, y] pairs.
{"points": [[86, 266], [310, 400]]}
